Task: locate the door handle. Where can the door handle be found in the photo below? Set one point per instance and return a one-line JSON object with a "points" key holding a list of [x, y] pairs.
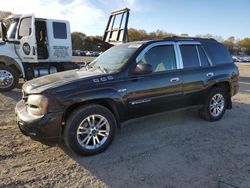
{"points": [[210, 74], [176, 79]]}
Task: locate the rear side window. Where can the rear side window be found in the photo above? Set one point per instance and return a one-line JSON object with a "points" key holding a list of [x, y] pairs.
{"points": [[218, 53], [59, 30], [190, 56], [203, 57]]}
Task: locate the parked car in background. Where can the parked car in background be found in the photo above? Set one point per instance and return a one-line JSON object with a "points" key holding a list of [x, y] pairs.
{"points": [[236, 59], [241, 58]]}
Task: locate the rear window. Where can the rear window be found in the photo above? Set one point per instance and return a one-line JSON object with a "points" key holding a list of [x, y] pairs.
{"points": [[59, 30], [218, 53]]}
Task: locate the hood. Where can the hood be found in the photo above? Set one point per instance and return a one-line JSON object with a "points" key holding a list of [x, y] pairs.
{"points": [[41, 84]]}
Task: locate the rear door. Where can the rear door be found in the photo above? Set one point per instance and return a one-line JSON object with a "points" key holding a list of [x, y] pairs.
{"points": [[27, 37], [196, 72], [162, 89], [60, 46]]}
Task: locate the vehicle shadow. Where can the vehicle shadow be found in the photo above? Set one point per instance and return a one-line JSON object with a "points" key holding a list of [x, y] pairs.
{"points": [[173, 149], [15, 94]]}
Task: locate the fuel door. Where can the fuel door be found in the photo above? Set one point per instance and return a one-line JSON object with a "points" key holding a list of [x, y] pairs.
{"points": [[27, 37]]}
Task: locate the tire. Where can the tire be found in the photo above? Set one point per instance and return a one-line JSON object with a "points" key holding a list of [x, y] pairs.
{"points": [[81, 133], [215, 105], [8, 78]]}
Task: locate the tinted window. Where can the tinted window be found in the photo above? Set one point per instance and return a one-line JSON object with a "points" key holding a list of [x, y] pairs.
{"points": [[189, 56], [161, 58], [25, 27], [59, 30], [203, 57], [218, 53]]}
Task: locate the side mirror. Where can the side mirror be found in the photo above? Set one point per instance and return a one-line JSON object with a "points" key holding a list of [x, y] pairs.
{"points": [[4, 32], [143, 68]]}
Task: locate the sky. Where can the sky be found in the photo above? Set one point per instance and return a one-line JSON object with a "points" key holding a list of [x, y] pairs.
{"points": [[195, 17]]}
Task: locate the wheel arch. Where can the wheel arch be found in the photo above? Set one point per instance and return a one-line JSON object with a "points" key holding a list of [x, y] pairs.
{"points": [[13, 63], [108, 103], [225, 85]]}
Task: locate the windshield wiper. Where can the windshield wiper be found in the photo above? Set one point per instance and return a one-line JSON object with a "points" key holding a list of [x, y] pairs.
{"points": [[88, 66], [102, 69]]}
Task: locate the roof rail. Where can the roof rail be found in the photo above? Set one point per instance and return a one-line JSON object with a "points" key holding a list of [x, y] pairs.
{"points": [[178, 38]]}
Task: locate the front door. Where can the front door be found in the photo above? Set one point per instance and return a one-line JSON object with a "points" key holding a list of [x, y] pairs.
{"points": [[26, 49], [159, 91]]}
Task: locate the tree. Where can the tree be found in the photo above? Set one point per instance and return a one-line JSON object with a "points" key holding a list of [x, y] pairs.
{"points": [[230, 45], [3, 15], [244, 45], [78, 40], [136, 35]]}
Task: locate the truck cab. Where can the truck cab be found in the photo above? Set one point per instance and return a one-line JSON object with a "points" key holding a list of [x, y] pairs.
{"points": [[42, 40], [34, 47]]}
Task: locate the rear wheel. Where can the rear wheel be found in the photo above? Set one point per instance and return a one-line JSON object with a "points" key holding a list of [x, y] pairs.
{"points": [[8, 78], [89, 130], [215, 105]]}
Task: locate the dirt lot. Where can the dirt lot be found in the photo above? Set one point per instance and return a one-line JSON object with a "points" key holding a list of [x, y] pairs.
{"points": [[171, 150]]}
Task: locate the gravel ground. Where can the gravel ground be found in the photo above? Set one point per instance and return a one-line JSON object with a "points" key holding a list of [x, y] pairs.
{"points": [[170, 150]]}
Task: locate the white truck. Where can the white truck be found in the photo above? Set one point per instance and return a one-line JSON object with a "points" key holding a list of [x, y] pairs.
{"points": [[34, 47]]}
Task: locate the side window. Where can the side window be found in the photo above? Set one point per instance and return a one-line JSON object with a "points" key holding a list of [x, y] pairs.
{"points": [[190, 56], [203, 57], [25, 28], [161, 58], [218, 53], [59, 30]]}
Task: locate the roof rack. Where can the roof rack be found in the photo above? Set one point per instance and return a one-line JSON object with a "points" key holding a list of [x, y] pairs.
{"points": [[178, 38]]}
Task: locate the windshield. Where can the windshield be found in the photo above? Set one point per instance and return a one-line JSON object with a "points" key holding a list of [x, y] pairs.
{"points": [[116, 57]]}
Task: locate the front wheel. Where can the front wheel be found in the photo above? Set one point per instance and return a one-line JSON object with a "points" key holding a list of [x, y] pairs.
{"points": [[89, 130], [215, 105], [8, 78]]}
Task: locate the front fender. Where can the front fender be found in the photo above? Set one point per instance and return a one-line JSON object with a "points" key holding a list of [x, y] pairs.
{"points": [[9, 57], [104, 96]]}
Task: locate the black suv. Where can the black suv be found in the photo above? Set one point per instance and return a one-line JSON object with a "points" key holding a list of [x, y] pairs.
{"points": [[84, 107]]}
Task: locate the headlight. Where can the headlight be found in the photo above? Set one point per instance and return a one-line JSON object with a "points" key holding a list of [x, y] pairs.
{"points": [[37, 105]]}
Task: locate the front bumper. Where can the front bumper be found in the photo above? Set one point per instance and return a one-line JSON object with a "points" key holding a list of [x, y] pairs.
{"points": [[46, 129]]}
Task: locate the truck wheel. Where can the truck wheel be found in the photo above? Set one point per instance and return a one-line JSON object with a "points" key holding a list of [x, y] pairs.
{"points": [[215, 105], [89, 130], [8, 78]]}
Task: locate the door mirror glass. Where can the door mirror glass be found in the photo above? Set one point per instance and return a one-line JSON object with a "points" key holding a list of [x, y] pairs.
{"points": [[143, 68], [3, 31]]}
